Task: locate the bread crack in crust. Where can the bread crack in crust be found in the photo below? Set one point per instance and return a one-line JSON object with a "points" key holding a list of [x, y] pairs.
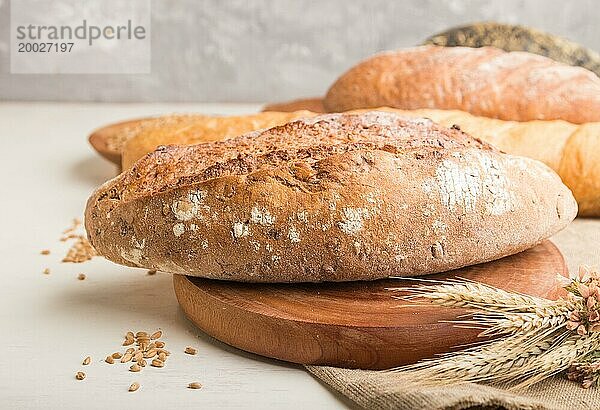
{"points": [[336, 197]]}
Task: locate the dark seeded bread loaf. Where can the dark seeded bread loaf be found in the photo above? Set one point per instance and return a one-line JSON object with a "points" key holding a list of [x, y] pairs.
{"points": [[483, 81], [511, 37], [337, 197]]}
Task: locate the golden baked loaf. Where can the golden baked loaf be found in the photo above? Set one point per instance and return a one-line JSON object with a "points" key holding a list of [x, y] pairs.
{"points": [[111, 140], [314, 104], [194, 129], [337, 197], [483, 81]]}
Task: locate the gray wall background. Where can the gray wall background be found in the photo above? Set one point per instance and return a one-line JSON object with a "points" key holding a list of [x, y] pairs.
{"points": [[270, 50]]}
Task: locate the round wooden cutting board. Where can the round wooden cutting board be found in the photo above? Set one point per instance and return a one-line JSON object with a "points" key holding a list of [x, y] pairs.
{"points": [[352, 324]]}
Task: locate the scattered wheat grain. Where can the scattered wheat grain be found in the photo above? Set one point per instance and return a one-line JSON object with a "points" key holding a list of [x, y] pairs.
{"points": [[190, 350]]}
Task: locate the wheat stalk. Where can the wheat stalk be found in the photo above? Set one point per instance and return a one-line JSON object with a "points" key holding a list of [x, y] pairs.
{"points": [[474, 295], [490, 362], [508, 323], [541, 337]]}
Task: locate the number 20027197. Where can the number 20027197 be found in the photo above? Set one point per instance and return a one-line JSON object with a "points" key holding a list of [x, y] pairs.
{"points": [[45, 47]]}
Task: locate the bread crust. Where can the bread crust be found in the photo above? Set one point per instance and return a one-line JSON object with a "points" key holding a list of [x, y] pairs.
{"points": [[332, 198], [484, 81], [511, 37], [195, 129], [109, 140], [571, 150], [314, 104]]}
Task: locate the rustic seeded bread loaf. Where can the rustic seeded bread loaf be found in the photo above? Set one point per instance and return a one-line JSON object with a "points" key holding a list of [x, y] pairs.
{"points": [[511, 37], [483, 81], [310, 104], [111, 141], [194, 129], [333, 198]]}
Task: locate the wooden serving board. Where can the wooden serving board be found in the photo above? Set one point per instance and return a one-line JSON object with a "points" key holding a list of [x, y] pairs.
{"points": [[352, 324]]}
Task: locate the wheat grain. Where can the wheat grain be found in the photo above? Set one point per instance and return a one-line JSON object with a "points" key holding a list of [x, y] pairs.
{"points": [[190, 350], [134, 386], [157, 363]]}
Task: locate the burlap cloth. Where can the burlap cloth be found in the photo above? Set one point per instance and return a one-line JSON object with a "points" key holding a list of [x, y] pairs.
{"points": [[580, 244]]}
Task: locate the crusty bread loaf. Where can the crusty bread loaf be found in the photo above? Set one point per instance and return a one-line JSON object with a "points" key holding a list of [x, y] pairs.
{"points": [[314, 104], [483, 81], [194, 129], [510, 37], [333, 198]]}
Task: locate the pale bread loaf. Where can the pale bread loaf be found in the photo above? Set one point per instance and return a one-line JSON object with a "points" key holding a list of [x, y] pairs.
{"points": [[333, 198], [484, 81]]}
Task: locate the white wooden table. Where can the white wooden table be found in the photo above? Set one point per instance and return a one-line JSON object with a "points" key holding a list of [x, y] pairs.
{"points": [[49, 323]]}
